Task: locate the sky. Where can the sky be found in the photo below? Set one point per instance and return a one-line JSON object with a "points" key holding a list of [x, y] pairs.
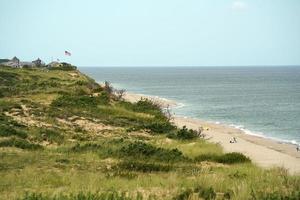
{"points": [[152, 32]]}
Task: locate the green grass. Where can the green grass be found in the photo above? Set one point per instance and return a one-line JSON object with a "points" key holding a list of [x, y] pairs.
{"points": [[228, 158], [141, 155], [19, 143]]}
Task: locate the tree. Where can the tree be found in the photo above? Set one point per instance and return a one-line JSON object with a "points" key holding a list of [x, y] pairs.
{"points": [[108, 87], [120, 93]]}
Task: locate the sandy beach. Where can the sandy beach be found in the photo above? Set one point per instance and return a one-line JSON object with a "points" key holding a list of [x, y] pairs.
{"points": [[264, 152]]}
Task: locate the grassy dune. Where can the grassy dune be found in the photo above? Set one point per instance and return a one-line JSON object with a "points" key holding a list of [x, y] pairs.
{"points": [[62, 136]]}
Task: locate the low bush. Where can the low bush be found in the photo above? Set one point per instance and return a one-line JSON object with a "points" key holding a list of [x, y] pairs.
{"points": [[80, 101], [232, 158], [159, 126], [86, 147], [147, 106], [206, 193], [121, 174], [52, 136], [19, 143], [6, 131], [184, 195], [74, 101], [228, 158], [64, 67], [275, 196], [110, 195], [148, 151], [144, 167], [184, 134]]}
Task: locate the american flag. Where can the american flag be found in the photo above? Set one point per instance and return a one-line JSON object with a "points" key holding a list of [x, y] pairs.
{"points": [[67, 53]]}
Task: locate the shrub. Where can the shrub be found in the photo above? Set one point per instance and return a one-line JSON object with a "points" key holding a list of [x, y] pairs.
{"points": [[232, 158], [103, 98], [64, 66], [86, 147], [295, 195], [206, 193], [108, 88], [185, 134], [19, 143], [185, 195], [110, 195], [228, 158], [63, 160], [6, 131], [147, 106], [143, 150], [52, 136], [74, 101], [207, 157], [159, 126], [122, 174], [144, 167]]}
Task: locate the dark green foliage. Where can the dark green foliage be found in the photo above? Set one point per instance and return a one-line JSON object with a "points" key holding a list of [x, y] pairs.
{"points": [[74, 101], [147, 106], [63, 160], [3, 60], [122, 174], [52, 136], [144, 167], [159, 126], [228, 194], [6, 106], [19, 143], [232, 158], [185, 195], [108, 88], [7, 78], [184, 134], [148, 151], [295, 195], [206, 193], [228, 158], [66, 101], [6, 131], [207, 157], [110, 195], [65, 67], [103, 98], [237, 175], [86, 147]]}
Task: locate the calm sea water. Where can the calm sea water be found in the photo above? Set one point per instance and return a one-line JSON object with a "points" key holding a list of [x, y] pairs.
{"points": [[258, 100]]}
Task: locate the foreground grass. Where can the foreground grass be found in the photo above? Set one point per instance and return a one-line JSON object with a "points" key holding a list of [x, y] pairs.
{"points": [[58, 142]]}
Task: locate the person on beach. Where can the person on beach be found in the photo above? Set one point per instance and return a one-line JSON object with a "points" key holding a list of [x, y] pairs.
{"points": [[298, 148], [234, 140]]}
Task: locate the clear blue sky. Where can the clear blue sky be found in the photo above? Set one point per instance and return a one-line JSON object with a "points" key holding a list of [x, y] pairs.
{"points": [[152, 32]]}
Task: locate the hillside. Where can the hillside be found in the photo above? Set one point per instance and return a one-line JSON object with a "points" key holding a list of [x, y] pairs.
{"points": [[63, 136]]}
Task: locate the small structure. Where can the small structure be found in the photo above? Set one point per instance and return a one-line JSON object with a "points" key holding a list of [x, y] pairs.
{"points": [[38, 63], [14, 62], [54, 64], [15, 59]]}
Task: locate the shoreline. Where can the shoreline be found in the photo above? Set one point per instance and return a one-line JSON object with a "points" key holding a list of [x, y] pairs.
{"points": [[263, 151]]}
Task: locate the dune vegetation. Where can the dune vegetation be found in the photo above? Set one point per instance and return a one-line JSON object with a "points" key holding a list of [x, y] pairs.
{"points": [[63, 136]]}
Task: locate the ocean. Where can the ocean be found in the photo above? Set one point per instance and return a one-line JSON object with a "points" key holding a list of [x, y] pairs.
{"points": [[262, 101]]}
